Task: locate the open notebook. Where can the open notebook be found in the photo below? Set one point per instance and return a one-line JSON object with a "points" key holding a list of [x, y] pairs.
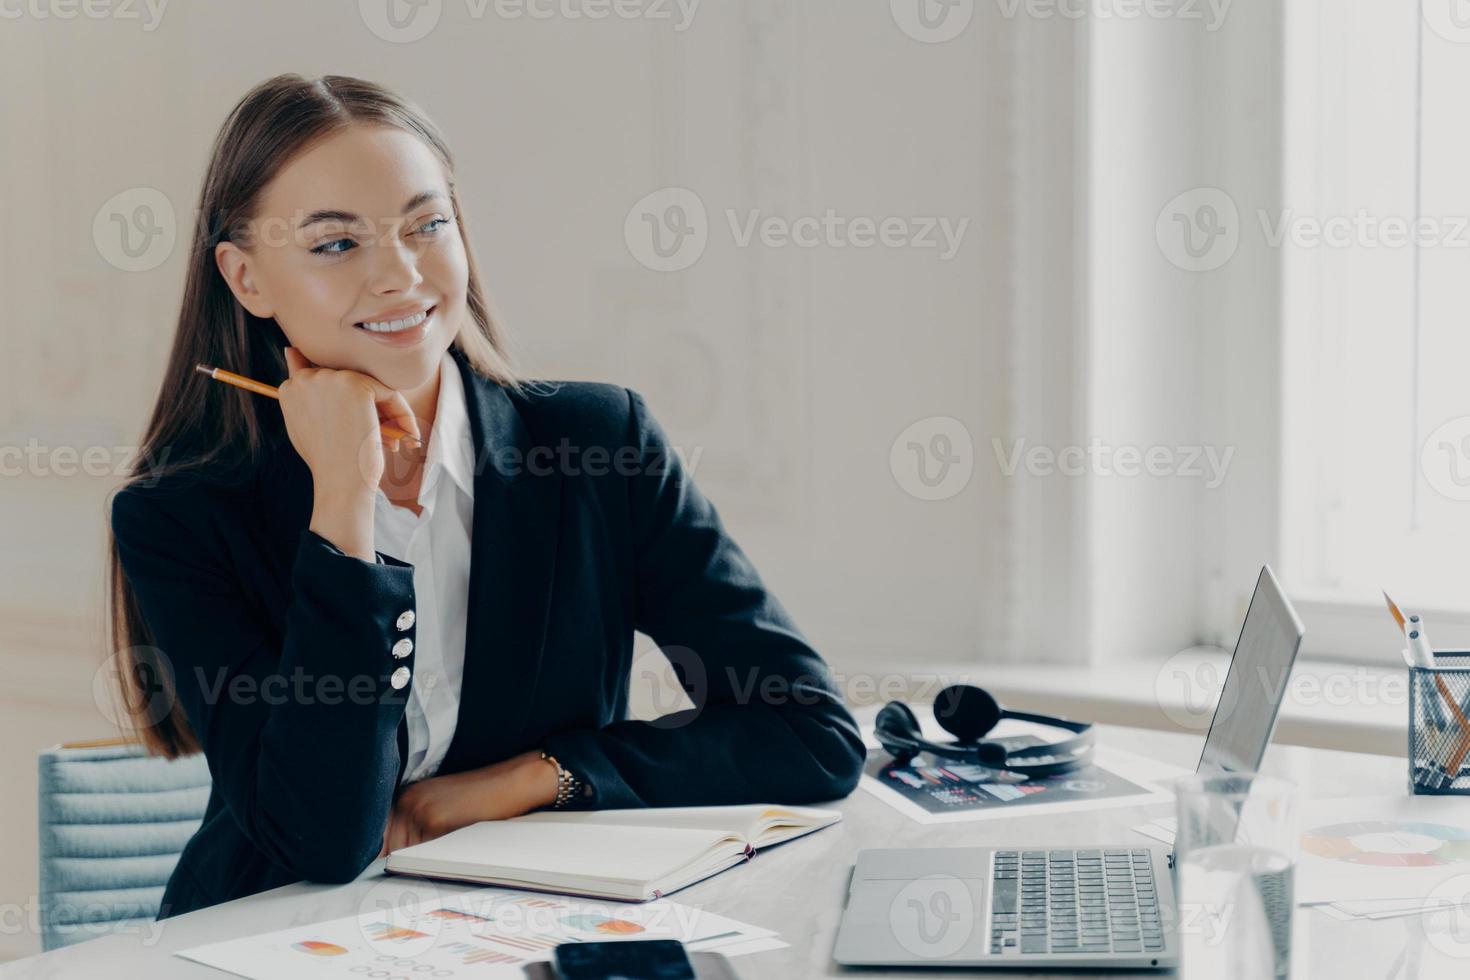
{"points": [[633, 855]]}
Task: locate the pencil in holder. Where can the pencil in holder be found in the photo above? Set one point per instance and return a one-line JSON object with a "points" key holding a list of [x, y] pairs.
{"points": [[1439, 726]]}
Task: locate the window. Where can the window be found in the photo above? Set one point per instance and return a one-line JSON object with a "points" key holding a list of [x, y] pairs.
{"points": [[1375, 243]]}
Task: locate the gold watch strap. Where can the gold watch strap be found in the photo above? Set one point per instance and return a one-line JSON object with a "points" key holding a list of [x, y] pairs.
{"points": [[566, 783]]}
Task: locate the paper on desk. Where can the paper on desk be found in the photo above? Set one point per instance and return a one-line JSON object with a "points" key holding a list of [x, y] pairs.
{"points": [[933, 791], [485, 933], [1391, 909], [1160, 829], [1355, 851], [1334, 912], [1389, 847]]}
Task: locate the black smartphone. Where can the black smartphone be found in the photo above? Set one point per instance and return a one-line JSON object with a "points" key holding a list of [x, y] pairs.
{"points": [[630, 959]]}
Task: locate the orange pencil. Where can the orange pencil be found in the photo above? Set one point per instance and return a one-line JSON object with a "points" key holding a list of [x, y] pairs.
{"points": [[1393, 609], [270, 391]]}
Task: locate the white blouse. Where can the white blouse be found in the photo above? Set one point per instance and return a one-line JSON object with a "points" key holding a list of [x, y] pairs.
{"points": [[437, 544]]}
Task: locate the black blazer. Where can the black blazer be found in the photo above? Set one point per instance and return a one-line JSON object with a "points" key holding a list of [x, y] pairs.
{"points": [[586, 527]]}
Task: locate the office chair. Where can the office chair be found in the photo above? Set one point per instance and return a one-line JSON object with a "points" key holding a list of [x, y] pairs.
{"points": [[113, 822]]}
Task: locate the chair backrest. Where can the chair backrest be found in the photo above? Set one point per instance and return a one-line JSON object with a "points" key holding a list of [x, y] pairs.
{"points": [[113, 822]]}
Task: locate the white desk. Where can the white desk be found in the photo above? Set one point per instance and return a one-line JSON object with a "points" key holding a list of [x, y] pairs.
{"points": [[797, 889]]}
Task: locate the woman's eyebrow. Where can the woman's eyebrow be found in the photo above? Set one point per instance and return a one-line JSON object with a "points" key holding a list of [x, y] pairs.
{"points": [[347, 217]]}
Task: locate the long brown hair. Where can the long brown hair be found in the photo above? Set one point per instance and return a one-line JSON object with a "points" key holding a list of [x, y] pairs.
{"points": [[199, 426]]}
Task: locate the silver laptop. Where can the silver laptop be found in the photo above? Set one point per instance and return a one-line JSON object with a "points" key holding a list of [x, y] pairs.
{"points": [[1107, 905]]}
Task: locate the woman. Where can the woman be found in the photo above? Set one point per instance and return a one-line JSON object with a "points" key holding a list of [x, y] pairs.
{"points": [[374, 645]]}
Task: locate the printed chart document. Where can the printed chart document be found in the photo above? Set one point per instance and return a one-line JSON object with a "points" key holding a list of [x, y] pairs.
{"points": [[1366, 849], [485, 933], [932, 791], [1375, 857], [632, 855]]}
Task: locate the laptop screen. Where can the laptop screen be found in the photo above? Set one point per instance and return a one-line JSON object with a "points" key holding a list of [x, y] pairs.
{"points": [[1259, 669]]}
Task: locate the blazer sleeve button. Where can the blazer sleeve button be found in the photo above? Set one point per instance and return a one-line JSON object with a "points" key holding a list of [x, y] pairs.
{"points": [[399, 678], [405, 620], [402, 648]]}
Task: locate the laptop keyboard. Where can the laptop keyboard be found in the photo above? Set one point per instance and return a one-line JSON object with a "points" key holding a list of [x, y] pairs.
{"points": [[1074, 901]]}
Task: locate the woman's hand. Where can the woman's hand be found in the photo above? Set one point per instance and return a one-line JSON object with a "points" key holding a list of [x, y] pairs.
{"points": [[332, 418], [433, 807]]}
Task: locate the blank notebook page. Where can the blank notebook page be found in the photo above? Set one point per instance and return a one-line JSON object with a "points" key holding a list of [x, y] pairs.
{"points": [[628, 853], [752, 819]]}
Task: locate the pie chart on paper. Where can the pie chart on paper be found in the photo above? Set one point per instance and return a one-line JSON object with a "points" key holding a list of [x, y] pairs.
{"points": [[1389, 843]]}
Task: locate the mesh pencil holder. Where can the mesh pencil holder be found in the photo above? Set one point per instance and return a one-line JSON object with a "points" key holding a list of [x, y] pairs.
{"points": [[1439, 726]]}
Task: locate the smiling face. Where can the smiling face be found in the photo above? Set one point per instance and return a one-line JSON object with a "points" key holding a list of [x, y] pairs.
{"points": [[352, 242]]}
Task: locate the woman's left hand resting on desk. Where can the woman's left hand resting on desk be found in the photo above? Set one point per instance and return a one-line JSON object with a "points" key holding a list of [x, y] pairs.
{"points": [[435, 806]]}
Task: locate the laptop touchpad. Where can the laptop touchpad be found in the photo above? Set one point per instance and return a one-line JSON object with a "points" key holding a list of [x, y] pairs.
{"points": [[932, 916]]}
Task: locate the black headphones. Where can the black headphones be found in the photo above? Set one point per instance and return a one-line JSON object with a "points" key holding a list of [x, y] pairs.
{"points": [[969, 713]]}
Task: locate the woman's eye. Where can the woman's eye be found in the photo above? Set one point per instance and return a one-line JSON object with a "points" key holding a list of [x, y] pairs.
{"points": [[433, 225], [332, 247]]}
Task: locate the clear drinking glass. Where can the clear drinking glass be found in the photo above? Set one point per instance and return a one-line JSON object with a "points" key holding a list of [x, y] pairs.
{"points": [[1236, 851]]}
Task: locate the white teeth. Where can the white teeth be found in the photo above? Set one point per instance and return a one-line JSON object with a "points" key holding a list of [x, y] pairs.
{"points": [[392, 326]]}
